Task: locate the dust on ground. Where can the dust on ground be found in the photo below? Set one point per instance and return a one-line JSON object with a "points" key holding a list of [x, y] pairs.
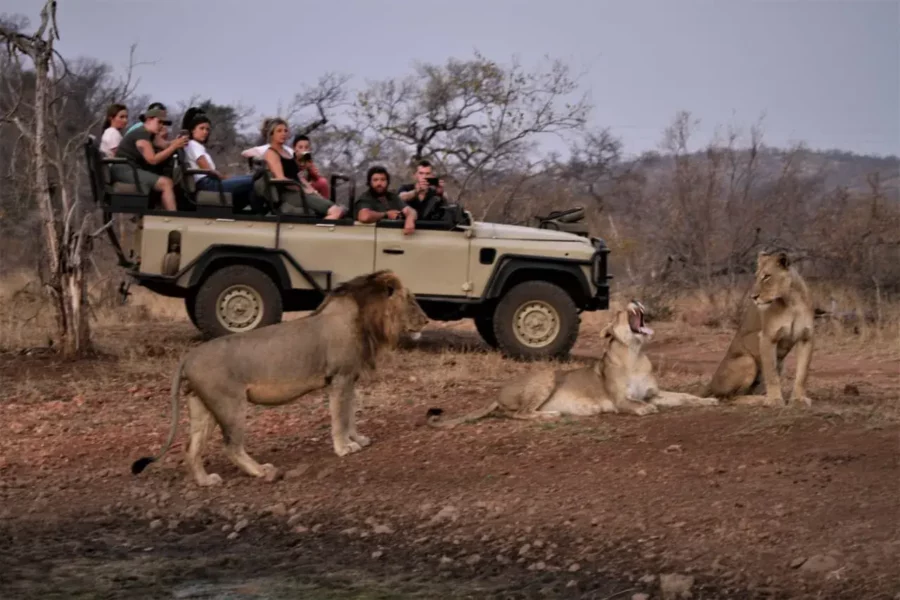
{"points": [[727, 502]]}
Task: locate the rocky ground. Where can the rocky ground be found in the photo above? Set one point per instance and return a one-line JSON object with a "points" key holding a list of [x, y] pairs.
{"points": [[715, 502]]}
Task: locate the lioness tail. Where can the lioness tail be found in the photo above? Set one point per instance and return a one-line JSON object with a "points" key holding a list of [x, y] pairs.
{"points": [[142, 463], [433, 416]]}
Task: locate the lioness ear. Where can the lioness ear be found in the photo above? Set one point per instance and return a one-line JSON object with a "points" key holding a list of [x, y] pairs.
{"points": [[783, 260]]}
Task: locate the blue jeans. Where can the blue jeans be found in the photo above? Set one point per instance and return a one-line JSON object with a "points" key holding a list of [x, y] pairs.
{"points": [[239, 187]]}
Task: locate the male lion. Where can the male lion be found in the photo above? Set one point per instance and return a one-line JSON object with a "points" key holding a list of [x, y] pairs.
{"points": [[620, 380], [279, 363], [781, 318]]}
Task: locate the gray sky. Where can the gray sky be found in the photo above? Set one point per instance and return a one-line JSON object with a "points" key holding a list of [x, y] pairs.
{"points": [[825, 72]]}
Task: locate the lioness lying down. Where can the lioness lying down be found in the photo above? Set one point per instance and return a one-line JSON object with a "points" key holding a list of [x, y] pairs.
{"points": [[279, 363], [620, 380]]}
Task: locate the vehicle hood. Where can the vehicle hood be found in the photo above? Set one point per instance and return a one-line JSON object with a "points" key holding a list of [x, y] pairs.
{"points": [[517, 232]]}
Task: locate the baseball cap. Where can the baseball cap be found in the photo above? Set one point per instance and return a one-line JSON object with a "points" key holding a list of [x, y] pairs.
{"points": [[159, 113]]}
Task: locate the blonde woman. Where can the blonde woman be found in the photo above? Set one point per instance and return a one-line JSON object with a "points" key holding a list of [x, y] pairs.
{"points": [[281, 164]]}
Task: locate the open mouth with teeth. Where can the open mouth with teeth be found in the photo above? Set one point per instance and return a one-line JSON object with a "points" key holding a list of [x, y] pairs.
{"points": [[636, 319]]}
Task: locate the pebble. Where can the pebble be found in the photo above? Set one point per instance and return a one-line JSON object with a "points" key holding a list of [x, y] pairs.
{"points": [[156, 524], [820, 563], [674, 585], [241, 525]]}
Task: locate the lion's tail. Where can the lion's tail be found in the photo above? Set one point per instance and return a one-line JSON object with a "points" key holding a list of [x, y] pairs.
{"points": [[142, 463], [434, 420]]}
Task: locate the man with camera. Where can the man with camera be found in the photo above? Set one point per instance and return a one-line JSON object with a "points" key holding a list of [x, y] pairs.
{"points": [[426, 194]]}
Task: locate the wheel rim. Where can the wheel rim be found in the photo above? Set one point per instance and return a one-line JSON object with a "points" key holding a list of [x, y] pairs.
{"points": [[536, 324], [239, 308]]}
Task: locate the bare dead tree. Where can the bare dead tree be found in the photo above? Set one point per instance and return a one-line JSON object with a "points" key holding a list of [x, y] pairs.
{"points": [[326, 96], [52, 130]]}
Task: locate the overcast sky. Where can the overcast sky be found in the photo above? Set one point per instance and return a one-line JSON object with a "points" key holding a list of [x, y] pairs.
{"points": [[825, 72]]}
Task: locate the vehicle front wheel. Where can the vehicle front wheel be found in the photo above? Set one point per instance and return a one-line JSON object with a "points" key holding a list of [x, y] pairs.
{"points": [[536, 320], [236, 299]]}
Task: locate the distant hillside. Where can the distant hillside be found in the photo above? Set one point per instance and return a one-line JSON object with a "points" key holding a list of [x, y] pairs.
{"points": [[839, 168]]}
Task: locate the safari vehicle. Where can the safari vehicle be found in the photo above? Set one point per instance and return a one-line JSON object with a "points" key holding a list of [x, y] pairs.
{"points": [[524, 287]]}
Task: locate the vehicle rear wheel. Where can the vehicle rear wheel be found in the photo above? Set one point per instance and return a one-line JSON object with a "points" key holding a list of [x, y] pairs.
{"points": [[485, 326], [536, 320], [236, 299]]}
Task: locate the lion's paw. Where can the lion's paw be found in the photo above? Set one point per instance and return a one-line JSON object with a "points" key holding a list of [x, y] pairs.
{"points": [[647, 409], [347, 448], [804, 400], [362, 440], [709, 401], [210, 480], [270, 473]]}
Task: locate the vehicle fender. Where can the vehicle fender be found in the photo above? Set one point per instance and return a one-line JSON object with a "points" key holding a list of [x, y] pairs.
{"points": [[270, 259]]}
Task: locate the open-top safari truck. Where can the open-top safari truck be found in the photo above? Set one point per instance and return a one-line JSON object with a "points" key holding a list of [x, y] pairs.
{"points": [[239, 268]]}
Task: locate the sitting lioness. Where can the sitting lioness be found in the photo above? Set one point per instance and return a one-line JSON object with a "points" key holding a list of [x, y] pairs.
{"points": [[781, 317], [280, 363], [620, 380]]}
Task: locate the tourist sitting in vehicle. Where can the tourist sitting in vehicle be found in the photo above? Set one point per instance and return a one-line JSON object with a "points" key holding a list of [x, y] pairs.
{"points": [[153, 105], [281, 165], [198, 126], [138, 149], [378, 203], [257, 152], [426, 193], [115, 122], [308, 169]]}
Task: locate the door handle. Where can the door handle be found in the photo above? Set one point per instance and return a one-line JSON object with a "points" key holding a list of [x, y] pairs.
{"points": [[393, 251]]}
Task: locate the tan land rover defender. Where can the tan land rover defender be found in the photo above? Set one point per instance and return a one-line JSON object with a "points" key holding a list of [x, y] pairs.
{"points": [[239, 268]]}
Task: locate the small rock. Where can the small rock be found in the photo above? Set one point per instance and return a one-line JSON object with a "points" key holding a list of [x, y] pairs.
{"points": [[277, 510], [349, 531], [574, 568], [648, 579], [233, 535], [524, 549], [324, 473], [241, 525], [300, 529], [446, 561], [448, 513], [640, 596], [226, 527], [674, 448], [820, 563], [473, 560], [377, 554], [572, 583], [156, 524], [173, 524], [294, 519], [674, 585], [191, 495], [798, 562], [382, 529], [538, 566]]}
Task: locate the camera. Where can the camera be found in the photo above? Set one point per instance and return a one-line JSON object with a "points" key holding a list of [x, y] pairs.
{"points": [[306, 156], [433, 181]]}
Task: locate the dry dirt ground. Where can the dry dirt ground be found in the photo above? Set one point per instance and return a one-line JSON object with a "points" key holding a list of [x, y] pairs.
{"points": [[728, 502]]}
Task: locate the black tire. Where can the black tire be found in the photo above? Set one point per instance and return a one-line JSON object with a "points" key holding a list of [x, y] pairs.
{"points": [[253, 291], [190, 304], [484, 323], [555, 311]]}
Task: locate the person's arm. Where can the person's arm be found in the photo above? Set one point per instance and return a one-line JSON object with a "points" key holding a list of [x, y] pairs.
{"points": [[320, 184], [367, 215], [155, 158], [408, 195], [202, 163], [273, 162]]}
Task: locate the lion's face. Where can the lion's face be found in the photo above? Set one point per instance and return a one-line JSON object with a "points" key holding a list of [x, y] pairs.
{"points": [[773, 278], [628, 327], [414, 318]]}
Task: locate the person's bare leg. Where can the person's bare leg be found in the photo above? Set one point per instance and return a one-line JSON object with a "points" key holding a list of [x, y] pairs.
{"points": [[167, 188]]}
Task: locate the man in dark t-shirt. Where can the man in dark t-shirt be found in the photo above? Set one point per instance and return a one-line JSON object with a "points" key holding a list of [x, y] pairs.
{"points": [[422, 195], [377, 202]]}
